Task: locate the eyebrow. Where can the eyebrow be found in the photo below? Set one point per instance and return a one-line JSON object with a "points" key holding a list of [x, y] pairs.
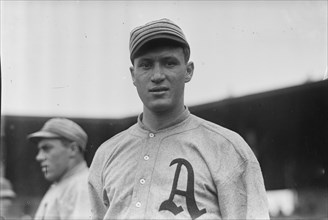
{"points": [[45, 146], [145, 59]]}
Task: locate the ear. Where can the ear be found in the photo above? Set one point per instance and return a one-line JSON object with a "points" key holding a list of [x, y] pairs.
{"points": [[74, 148], [189, 71], [132, 75]]}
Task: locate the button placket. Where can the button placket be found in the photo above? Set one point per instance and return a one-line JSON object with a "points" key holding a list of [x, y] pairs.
{"points": [[145, 173]]}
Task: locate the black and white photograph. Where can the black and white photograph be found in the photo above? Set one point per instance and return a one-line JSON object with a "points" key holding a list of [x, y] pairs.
{"points": [[164, 109]]}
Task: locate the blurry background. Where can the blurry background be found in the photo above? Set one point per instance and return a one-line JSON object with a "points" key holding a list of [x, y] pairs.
{"points": [[259, 69]]}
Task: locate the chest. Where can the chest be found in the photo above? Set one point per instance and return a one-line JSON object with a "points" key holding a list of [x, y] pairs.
{"points": [[144, 173]]}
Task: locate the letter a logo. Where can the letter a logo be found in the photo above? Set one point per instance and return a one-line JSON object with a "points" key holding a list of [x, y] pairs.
{"points": [[169, 205]]}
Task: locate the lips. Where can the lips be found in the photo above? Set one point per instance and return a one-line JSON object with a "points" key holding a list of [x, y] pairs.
{"points": [[158, 89], [44, 169]]}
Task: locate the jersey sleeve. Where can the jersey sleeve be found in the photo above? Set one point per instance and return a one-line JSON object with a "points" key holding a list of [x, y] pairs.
{"points": [[238, 177], [243, 195]]}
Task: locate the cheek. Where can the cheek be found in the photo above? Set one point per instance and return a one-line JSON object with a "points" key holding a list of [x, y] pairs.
{"points": [[59, 158], [141, 86], [142, 93], [60, 166], [141, 78], [179, 83]]}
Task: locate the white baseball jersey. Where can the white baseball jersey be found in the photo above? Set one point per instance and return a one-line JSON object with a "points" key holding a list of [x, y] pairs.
{"points": [[193, 169], [68, 199]]}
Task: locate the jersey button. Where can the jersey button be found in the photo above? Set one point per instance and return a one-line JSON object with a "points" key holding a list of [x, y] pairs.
{"points": [[142, 181], [138, 204], [151, 135], [146, 157]]}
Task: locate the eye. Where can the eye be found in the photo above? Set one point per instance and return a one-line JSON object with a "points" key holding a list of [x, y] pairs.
{"points": [[45, 148], [171, 63], [145, 65]]}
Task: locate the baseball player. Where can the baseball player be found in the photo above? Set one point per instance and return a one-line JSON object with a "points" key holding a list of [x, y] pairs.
{"points": [[61, 143], [7, 195], [172, 164]]}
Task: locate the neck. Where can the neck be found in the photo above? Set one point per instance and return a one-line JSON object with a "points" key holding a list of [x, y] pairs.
{"points": [[159, 120], [72, 167]]}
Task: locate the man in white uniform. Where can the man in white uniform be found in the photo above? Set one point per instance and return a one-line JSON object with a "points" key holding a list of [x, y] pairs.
{"points": [[172, 164], [61, 143], [7, 195]]}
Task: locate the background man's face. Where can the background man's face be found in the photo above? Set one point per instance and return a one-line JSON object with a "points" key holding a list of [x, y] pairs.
{"points": [[159, 76], [53, 157]]}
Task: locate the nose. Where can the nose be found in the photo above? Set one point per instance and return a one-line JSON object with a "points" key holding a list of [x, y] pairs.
{"points": [[40, 156], [158, 74]]}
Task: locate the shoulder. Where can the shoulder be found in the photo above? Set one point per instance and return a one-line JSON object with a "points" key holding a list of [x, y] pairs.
{"points": [[106, 149], [78, 181], [225, 139], [110, 144], [82, 176], [216, 130]]}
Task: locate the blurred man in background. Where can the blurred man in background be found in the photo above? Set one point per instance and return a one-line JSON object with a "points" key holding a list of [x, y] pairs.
{"points": [[7, 196], [61, 143]]}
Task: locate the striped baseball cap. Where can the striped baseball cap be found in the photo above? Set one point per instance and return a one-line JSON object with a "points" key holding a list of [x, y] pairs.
{"points": [[61, 128], [159, 29]]}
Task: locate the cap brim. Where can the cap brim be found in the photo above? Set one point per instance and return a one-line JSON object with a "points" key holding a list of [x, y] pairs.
{"points": [[155, 37], [7, 194], [34, 137]]}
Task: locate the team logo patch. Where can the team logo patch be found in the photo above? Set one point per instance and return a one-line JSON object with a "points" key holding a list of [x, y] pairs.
{"points": [[192, 207]]}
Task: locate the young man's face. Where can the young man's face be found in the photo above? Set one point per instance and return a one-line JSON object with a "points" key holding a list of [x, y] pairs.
{"points": [[53, 157], [159, 75]]}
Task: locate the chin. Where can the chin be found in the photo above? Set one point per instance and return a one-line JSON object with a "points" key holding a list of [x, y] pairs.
{"points": [[50, 178], [160, 107]]}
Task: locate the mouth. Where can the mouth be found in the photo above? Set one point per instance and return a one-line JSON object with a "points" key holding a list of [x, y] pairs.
{"points": [[44, 169], [158, 89]]}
